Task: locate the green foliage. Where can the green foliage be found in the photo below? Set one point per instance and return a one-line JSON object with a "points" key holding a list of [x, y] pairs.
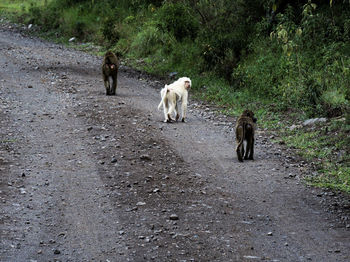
{"points": [[110, 30], [263, 75], [136, 4], [73, 23], [224, 36], [47, 18], [178, 19], [19, 7], [149, 40], [336, 178], [66, 3], [327, 146]]}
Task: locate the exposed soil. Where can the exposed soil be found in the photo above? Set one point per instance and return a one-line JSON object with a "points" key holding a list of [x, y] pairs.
{"points": [[90, 177]]}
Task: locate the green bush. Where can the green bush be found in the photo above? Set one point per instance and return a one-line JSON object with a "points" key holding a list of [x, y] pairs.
{"points": [[110, 30], [36, 15], [149, 40], [66, 3], [223, 39], [334, 102], [46, 18], [79, 28], [178, 19], [263, 72]]}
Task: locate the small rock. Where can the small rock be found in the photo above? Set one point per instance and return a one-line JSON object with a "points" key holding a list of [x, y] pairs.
{"points": [[270, 234], [140, 203], [62, 234], [251, 257], [340, 156], [114, 160], [293, 127], [172, 74], [313, 121], [131, 209], [56, 252], [30, 86], [145, 157], [72, 39], [174, 217], [290, 175]]}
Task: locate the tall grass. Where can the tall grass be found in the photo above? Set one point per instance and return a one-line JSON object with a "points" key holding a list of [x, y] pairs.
{"points": [[17, 8]]}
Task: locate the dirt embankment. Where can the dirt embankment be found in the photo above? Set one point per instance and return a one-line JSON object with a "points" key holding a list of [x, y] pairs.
{"points": [[89, 177]]}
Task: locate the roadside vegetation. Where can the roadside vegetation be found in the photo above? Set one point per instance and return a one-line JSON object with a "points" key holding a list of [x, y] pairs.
{"points": [[286, 60]]}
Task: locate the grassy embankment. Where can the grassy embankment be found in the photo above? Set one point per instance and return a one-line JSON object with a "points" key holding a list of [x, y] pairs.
{"points": [[287, 68]]}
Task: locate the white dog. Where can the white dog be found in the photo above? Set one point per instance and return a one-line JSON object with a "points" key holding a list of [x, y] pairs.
{"points": [[171, 95]]}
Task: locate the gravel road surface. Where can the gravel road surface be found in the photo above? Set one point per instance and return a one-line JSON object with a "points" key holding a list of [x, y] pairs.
{"points": [[90, 177]]}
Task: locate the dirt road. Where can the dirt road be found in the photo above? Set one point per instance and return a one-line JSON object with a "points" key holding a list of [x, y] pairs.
{"points": [[86, 177]]}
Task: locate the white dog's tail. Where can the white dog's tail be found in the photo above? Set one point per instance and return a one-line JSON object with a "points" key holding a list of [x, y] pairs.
{"points": [[163, 96]]}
